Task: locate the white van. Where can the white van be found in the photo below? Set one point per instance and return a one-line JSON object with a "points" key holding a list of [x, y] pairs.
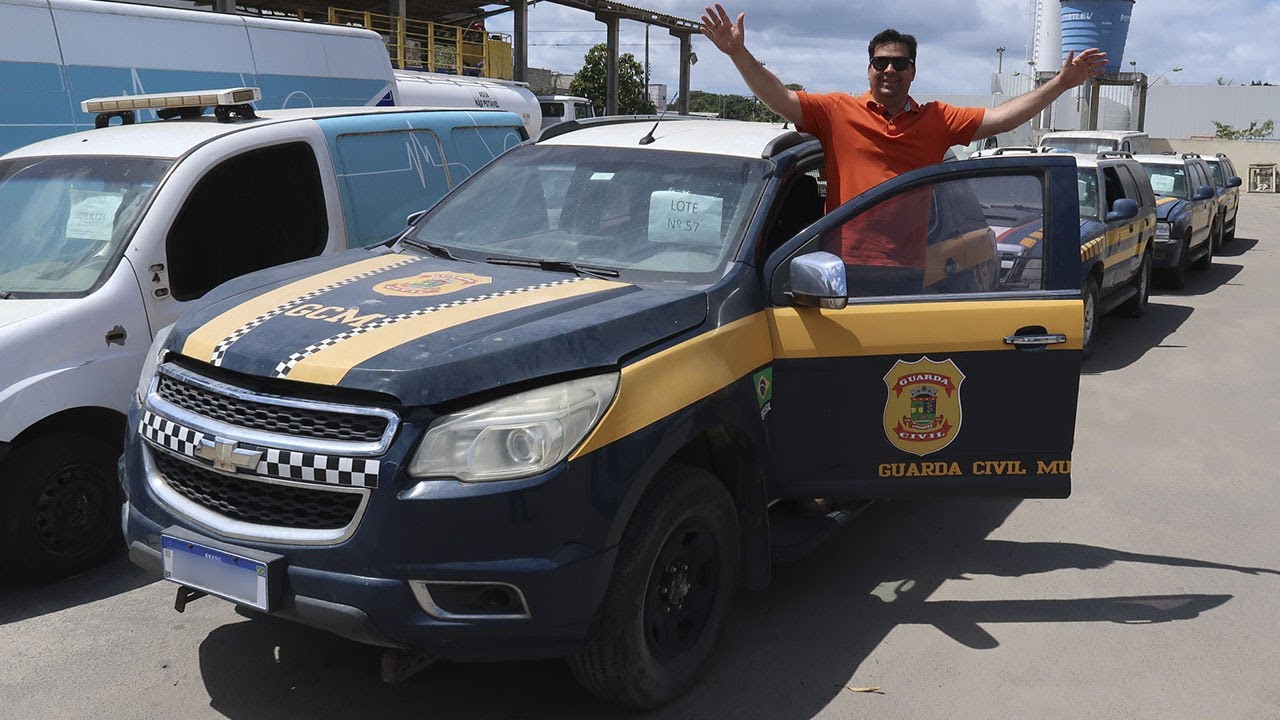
{"points": [[1090, 142], [562, 108], [108, 234], [54, 54]]}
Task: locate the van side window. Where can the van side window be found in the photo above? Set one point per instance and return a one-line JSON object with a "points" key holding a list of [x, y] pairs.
{"points": [[1139, 183], [476, 147], [253, 211], [385, 177]]}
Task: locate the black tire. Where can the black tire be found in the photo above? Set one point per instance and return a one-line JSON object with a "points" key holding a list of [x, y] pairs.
{"points": [[1090, 295], [682, 542], [1218, 235], [1176, 278], [1210, 246], [1230, 235], [1136, 306], [60, 505]]}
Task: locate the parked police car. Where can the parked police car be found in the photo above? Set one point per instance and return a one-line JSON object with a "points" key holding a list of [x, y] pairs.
{"points": [[1188, 224], [1117, 229], [1227, 181], [560, 429], [108, 234]]}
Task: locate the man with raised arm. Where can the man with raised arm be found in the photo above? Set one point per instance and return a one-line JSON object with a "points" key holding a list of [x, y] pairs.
{"points": [[884, 133]]}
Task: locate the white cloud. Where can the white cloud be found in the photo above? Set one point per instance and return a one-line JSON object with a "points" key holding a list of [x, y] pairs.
{"points": [[822, 44]]}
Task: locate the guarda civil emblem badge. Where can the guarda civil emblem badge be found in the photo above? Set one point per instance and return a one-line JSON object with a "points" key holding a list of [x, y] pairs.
{"points": [[430, 283], [922, 412]]}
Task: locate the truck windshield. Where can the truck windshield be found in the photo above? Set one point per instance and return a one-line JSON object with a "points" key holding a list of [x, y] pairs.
{"points": [[677, 215], [1167, 180], [65, 219]]}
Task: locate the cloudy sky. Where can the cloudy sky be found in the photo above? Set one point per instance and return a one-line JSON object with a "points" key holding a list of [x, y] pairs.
{"points": [[821, 44]]}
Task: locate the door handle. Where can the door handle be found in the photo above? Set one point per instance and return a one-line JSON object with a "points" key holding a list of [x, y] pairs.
{"points": [[1034, 340]]}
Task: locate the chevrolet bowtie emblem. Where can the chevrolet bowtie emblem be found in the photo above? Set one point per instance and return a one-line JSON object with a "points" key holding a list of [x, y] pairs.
{"points": [[226, 455]]}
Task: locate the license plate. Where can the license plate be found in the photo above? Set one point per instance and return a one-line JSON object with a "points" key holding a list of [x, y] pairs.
{"points": [[233, 577]]}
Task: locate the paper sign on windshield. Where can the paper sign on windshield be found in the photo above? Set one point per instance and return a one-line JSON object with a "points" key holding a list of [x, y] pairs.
{"points": [[93, 214], [1162, 184], [685, 217]]}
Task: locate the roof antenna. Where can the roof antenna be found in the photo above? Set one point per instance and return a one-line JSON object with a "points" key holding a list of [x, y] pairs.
{"points": [[648, 138]]}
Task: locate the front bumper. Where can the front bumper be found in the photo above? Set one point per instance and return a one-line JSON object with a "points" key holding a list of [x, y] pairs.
{"points": [[527, 534], [1167, 253]]}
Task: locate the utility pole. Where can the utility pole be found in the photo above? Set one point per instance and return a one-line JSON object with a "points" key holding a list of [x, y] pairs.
{"points": [[1000, 60]]}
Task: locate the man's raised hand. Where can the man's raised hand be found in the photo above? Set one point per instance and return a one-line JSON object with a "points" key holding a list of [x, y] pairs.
{"points": [[1078, 68], [727, 36]]}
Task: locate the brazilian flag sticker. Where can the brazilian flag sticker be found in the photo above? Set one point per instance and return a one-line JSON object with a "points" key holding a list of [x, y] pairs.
{"points": [[763, 382]]}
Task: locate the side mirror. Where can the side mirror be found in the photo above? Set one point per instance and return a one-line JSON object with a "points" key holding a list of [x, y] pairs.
{"points": [[1123, 209], [1204, 192], [1234, 181], [818, 280]]}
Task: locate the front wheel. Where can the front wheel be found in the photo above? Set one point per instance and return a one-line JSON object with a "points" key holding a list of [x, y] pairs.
{"points": [[673, 586], [1090, 295], [59, 505], [1210, 247], [1176, 278], [1136, 306]]}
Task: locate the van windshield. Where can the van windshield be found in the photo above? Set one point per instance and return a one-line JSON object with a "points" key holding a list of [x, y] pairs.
{"points": [[66, 218], [677, 215], [1167, 180]]}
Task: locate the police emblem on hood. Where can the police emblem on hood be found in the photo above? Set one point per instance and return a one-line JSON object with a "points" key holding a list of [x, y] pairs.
{"points": [[922, 411], [430, 283]]}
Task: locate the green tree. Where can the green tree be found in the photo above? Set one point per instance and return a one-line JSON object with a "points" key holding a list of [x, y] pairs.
{"points": [[592, 82], [1255, 131]]}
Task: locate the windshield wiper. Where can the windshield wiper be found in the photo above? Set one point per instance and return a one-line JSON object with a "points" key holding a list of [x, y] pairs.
{"points": [[5, 294], [555, 266], [437, 250]]}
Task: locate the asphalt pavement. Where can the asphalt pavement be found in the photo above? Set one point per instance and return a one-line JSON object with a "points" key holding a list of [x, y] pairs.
{"points": [[1153, 592]]}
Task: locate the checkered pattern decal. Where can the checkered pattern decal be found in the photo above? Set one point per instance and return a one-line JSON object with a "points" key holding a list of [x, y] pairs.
{"points": [[220, 351], [307, 467], [285, 366], [282, 464], [168, 434]]}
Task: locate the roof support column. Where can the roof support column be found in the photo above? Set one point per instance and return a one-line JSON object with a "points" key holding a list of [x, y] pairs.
{"points": [[224, 6], [611, 70], [686, 62], [520, 49], [398, 10]]}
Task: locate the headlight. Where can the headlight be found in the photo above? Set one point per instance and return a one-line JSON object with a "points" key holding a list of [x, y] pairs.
{"points": [[1162, 230], [152, 360], [517, 436]]}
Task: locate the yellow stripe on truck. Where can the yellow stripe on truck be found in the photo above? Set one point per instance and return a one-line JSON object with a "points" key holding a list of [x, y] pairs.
{"points": [[329, 365], [919, 328], [661, 384], [201, 343]]}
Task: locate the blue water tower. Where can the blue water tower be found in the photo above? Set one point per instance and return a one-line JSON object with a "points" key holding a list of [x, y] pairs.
{"points": [[1103, 24]]}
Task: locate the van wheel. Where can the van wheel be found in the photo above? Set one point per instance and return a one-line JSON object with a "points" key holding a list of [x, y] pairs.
{"points": [[673, 586], [1090, 296], [60, 502], [1219, 233], [1136, 306]]}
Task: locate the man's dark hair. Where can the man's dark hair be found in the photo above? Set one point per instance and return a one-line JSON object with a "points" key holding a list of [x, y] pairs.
{"points": [[890, 36]]}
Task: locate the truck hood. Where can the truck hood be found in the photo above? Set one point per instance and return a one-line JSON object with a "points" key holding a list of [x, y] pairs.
{"points": [[1167, 207], [427, 330], [16, 310]]}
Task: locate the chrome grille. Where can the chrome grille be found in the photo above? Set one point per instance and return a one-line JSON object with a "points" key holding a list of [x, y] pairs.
{"points": [[262, 503], [266, 417]]}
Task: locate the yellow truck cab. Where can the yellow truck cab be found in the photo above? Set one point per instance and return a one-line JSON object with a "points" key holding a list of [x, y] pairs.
{"points": [[566, 414]]}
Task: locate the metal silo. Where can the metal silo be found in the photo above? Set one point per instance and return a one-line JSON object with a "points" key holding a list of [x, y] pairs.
{"points": [[1103, 24]]}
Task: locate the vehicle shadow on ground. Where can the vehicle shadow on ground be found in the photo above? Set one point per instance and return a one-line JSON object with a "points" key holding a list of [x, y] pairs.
{"points": [[22, 601], [788, 651], [1123, 341], [1203, 282], [1236, 247]]}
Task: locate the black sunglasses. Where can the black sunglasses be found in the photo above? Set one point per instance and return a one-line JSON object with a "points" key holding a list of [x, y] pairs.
{"points": [[881, 63]]}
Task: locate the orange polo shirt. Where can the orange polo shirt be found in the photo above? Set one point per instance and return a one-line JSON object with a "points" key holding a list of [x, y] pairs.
{"points": [[864, 148]]}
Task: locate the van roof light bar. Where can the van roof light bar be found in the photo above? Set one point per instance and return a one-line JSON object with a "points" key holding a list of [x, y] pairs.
{"points": [[227, 103]]}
